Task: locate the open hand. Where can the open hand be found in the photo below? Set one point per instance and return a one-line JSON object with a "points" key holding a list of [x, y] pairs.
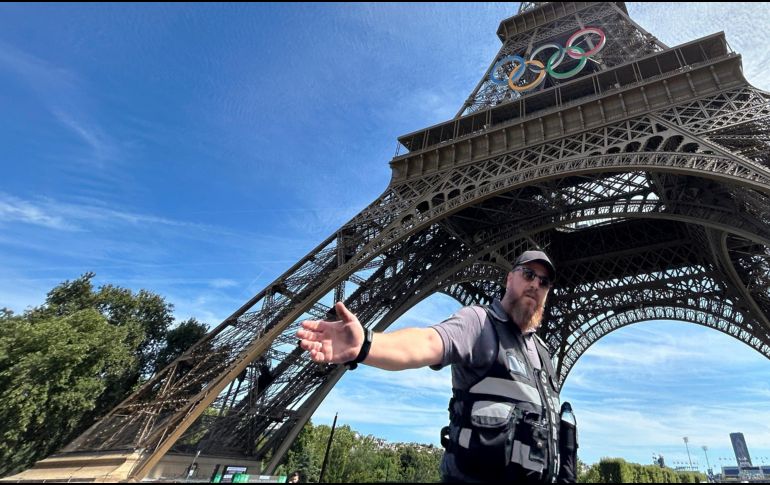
{"points": [[334, 342]]}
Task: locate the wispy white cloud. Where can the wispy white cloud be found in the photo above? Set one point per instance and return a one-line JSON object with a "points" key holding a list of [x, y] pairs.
{"points": [[661, 427], [204, 307], [758, 390], [423, 382], [394, 411], [103, 148], [743, 25], [222, 283], [652, 347], [56, 214], [44, 77], [642, 388], [382, 408], [319, 222], [96, 158], [425, 106], [13, 209], [18, 292], [429, 311]]}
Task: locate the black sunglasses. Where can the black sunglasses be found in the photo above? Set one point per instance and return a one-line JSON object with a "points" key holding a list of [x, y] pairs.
{"points": [[530, 275]]}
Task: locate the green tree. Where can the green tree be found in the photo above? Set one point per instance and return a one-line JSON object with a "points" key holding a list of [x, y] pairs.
{"points": [[53, 368], [178, 340], [354, 458], [300, 456], [419, 463], [617, 470], [592, 475], [389, 460], [144, 316], [365, 463], [339, 454], [61, 388]]}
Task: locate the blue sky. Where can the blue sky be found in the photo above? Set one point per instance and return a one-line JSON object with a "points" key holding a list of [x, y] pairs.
{"points": [[198, 151]]}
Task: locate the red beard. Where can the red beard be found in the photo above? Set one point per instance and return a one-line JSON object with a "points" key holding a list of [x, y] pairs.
{"points": [[525, 316]]}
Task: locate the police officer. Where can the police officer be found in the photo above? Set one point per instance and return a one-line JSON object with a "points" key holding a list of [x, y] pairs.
{"points": [[504, 412]]}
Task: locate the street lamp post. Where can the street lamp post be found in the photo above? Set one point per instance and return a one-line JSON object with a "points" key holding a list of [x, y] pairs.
{"points": [[687, 440], [705, 452]]}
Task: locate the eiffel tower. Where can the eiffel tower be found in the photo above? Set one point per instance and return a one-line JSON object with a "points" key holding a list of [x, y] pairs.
{"points": [[643, 170]]}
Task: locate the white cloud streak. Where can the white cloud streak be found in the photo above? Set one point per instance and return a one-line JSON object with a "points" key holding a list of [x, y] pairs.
{"points": [[55, 214], [397, 405], [222, 283], [13, 209], [64, 94], [103, 148]]}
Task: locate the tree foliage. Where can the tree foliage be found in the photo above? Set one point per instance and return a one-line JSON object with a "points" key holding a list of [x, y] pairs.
{"points": [[617, 470], [69, 361], [52, 372], [178, 340], [354, 458], [145, 315]]}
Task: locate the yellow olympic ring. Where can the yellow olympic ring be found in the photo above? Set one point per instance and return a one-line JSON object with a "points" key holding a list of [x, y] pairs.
{"points": [[539, 79]]}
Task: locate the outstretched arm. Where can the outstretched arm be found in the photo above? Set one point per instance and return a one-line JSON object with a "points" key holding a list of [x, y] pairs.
{"points": [[340, 341]]}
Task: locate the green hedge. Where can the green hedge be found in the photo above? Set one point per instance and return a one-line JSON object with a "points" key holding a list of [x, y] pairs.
{"points": [[617, 470]]}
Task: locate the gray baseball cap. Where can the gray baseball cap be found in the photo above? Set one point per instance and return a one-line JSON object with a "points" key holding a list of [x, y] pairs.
{"points": [[539, 256]]}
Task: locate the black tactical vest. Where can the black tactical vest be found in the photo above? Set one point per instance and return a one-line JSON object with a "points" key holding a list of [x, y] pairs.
{"points": [[505, 426]]}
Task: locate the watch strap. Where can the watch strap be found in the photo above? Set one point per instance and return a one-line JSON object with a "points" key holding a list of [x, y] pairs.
{"points": [[364, 352]]}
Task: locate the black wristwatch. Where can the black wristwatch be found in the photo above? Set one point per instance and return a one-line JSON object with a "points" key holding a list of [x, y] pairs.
{"points": [[364, 352]]}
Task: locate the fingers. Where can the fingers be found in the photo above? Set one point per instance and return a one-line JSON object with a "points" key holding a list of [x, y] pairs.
{"points": [[344, 313], [311, 329], [308, 335], [315, 349], [317, 356], [311, 324], [315, 334], [310, 340], [310, 345]]}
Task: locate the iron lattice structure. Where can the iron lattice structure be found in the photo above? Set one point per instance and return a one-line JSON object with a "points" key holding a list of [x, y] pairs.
{"points": [[646, 178]]}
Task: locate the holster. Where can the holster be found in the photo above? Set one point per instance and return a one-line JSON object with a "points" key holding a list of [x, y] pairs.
{"points": [[568, 446]]}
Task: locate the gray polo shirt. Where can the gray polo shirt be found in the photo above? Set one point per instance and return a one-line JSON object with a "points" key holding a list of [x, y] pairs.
{"points": [[470, 343]]}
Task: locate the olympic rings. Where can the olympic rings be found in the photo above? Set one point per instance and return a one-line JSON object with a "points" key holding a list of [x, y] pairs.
{"points": [[520, 65], [539, 79], [589, 30], [493, 74], [566, 75]]}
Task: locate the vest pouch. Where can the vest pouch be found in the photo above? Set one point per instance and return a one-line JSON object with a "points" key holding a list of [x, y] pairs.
{"points": [[485, 448], [530, 448]]}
